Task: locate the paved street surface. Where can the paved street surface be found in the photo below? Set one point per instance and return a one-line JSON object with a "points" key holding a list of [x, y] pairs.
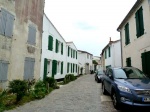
{"points": [[82, 95]]}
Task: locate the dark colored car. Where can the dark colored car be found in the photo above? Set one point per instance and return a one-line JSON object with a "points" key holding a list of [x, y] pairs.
{"points": [[127, 85], [98, 75]]}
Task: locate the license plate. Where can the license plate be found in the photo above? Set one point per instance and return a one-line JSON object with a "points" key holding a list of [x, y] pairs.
{"points": [[146, 99]]}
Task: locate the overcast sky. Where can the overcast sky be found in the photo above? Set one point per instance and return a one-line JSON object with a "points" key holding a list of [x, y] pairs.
{"points": [[88, 23]]}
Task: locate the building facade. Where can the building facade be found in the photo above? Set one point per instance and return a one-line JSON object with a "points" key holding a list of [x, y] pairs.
{"points": [[135, 40], [20, 39], [72, 59], [85, 62], [111, 55], [97, 66], [53, 62]]}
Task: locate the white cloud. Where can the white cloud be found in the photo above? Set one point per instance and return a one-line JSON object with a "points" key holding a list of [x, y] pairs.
{"points": [[88, 23]]}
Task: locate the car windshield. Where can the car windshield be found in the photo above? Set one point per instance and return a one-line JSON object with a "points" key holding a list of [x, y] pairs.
{"points": [[100, 72], [128, 73]]}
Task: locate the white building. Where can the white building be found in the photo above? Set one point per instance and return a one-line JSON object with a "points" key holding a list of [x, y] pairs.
{"points": [[135, 36], [72, 59], [111, 55], [54, 58], [85, 62], [98, 60]]}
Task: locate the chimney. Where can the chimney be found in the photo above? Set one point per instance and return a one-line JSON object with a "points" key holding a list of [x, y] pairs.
{"points": [[110, 39]]}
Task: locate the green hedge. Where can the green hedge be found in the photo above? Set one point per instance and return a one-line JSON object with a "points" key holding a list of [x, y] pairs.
{"points": [[68, 78]]}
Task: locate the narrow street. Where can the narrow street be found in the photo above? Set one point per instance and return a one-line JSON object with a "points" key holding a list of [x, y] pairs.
{"points": [[82, 95]]}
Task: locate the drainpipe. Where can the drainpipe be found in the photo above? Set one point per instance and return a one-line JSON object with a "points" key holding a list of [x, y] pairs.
{"points": [[121, 47]]}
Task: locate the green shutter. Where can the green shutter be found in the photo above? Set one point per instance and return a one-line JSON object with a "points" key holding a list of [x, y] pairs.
{"points": [[146, 63], [54, 68], [67, 67], [109, 52], [56, 46], [50, 43], [127, 38], [61, 67], [128, 62], [76, 54], [76, 67], [141, 21], [71, 53], [73, 68], [61, 48], [68, 51], [45, 69], [105, 54], [137, 24]]}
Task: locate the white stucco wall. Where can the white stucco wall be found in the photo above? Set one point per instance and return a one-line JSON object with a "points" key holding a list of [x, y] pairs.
{"points": [[97, 59], [116, 52], [115, 58], [49, 29], [71, 59], [137, 45], [84, 60]]}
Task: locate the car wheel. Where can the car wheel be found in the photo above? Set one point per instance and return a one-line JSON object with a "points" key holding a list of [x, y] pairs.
{"points": [[115, 101], [103, 89]]}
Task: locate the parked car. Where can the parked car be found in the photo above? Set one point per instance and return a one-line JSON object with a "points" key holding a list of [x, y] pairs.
{"points": [[98, 75], [127, 85]]}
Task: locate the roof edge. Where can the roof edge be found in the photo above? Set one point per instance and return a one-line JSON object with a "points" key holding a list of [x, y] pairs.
{"points": [[132, 10]]}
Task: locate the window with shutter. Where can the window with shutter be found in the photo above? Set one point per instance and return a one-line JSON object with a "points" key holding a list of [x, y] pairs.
{"points": [[56, 46], [109, 52], [139, 22], [76, 67], [76, 54], [29, 68], [73, 67], [61, 67], [45, 69], [67, 67], [146, 63], [128, 62], [31, 35], [105, 54], [54, 68], [71, 53], [6, 23], [62, 48], [127, 38], [68, 51], [50, 43], [3, 71]]}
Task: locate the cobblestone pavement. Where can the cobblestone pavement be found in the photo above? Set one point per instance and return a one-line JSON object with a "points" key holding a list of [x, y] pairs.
{"points": [[82, 95]]}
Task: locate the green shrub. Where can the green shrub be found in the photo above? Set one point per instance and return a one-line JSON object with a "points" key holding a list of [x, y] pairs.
{"points": [[40, 90], [68, 78], [2, 97], [51, 81], [19, 88]]}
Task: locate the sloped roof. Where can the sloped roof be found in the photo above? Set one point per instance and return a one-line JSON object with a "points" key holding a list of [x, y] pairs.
{"points": [[71, 42], [110, 42], [85, 52], [54, 27], [131, 12]]}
